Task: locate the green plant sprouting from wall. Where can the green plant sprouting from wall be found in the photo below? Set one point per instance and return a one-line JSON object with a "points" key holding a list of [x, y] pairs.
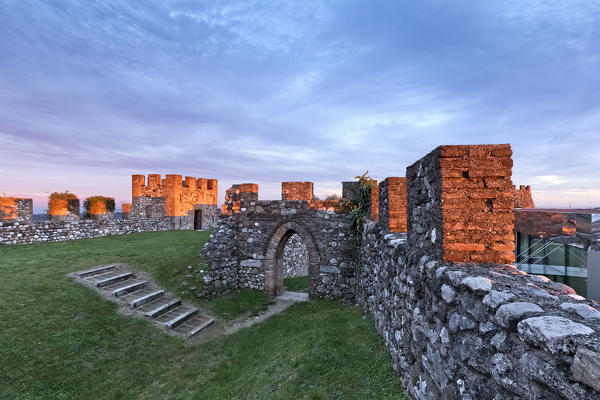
{"points": [[360, 206], [109, 203], [57, 197]]}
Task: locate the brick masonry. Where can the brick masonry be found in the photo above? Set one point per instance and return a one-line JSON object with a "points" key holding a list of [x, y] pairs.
{"points": [[523, 198], [190, 201], [392, 204], [461, 199], [297, 191]]}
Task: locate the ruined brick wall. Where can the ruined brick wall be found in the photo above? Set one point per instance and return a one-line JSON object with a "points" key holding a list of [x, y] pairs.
{"points": [[465, 192], [16, 210], [349, 189], [237, 195], [523, 198], [392, 204], [297, 191]]}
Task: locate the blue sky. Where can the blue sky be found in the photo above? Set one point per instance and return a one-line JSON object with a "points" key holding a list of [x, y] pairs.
{"points": [[268, 91]]}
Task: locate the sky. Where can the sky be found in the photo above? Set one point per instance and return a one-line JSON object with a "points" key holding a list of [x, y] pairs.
{"points": [[267, 91]]}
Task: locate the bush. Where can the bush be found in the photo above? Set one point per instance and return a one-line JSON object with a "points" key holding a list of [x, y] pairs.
{"points": [[57, 197], [109, 203]]}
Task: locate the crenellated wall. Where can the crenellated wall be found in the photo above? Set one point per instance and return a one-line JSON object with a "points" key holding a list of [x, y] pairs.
{"points": [[458, 319], [192, 202]]}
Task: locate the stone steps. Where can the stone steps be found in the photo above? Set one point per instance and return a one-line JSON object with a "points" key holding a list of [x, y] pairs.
{"points": [[145, 298]]}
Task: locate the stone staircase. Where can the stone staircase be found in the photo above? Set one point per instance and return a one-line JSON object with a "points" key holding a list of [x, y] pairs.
{"points": [[141, 296]]}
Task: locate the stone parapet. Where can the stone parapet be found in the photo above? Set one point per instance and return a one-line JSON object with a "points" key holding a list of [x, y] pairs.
{"points": [[58, 231], [477, 332]]}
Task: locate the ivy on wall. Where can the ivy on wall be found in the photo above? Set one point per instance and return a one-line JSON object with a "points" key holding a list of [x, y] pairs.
{"points": [[359, 209]]}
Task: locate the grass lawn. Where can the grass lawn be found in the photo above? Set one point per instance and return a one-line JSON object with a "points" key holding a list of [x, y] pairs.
{"points": [[296, 284], [61, 340]]}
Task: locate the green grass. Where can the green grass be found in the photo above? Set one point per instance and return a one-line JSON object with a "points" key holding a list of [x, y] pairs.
{"points": [[61, 340], [296, 284], [240, 302]]}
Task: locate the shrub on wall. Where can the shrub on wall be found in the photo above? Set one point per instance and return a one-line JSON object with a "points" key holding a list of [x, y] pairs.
{"points": [[109, 204], [56, 198]]}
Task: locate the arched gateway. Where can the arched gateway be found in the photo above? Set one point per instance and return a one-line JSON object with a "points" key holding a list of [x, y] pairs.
{"points": [[246, 248], [273, 261]]}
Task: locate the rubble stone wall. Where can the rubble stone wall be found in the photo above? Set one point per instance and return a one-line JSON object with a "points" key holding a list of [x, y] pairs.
{"points": [[473, 331], [246, 249], [58, 231], [295, 258]]}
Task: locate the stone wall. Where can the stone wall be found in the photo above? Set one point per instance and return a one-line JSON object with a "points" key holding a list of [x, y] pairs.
{"points": [[147, 207], [454, 329], [466, 331], [295, 258], [460, 198], [246, 249], [238, 194], [57, 231], [392, 204]]}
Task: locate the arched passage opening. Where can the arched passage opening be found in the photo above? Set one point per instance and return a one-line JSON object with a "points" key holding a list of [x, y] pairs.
{"points": [[273, 262]]}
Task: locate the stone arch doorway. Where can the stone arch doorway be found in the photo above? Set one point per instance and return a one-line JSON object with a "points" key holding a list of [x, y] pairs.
{"points": [[273, 262]]}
